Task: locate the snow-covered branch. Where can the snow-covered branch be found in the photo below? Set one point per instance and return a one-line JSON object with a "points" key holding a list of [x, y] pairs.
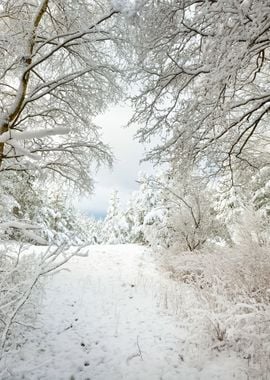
{"points": [[56, 77], [203, 69]]}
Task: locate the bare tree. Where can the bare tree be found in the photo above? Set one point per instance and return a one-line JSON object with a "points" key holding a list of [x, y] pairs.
{"points": [[204, 69], [58, 69]]}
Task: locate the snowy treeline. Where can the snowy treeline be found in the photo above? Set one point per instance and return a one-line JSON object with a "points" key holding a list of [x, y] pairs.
{"points": [[38, 215], [189, 213]]}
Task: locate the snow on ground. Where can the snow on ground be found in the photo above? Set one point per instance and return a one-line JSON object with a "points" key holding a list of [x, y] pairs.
{"points": [[115, 316]]}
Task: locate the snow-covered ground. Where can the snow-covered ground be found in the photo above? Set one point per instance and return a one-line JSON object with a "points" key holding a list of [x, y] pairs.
{"points": [[115, 316]]}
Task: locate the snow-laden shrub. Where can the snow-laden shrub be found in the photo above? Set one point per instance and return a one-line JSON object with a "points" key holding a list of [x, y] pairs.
{"points": [[156, 230], [184, 217], [19, 296], [252, 228], [115, 227], [260, 183], [232, 291], [21, 272], [53, 219], [127, 225], [167, 211]]}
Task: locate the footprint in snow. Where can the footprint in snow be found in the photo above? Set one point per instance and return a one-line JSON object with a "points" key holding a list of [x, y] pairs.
{"points": [[85, 348]]}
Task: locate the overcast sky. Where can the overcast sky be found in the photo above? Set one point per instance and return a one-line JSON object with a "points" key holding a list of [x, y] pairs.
{"points": [[128, 152]]}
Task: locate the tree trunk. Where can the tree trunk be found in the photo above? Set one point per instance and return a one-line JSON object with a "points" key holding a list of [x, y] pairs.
{"points": [[14, 111]]}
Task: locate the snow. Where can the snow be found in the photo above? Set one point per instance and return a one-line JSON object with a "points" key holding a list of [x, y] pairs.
{"points": [[114, 315], [20, 225], [39, 133], [128, 8]]}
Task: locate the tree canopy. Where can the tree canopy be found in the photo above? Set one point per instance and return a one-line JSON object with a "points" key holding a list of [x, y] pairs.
{"points": [[203, 71], [58, 70]]}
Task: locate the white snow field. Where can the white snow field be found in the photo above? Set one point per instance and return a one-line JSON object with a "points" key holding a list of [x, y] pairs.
{"points": [[114, 316]]}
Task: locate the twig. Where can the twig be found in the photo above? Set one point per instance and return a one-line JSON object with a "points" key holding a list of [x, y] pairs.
{"points": [[139, 348]]}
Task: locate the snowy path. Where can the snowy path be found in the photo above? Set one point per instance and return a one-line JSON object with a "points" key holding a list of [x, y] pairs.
{"points": [[107, 319]]}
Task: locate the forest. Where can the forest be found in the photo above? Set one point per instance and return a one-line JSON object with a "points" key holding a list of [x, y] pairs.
{"points": [[196, 74]]}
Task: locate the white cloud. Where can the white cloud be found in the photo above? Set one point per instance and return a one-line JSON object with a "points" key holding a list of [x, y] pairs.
{"points": [[128, 153]]}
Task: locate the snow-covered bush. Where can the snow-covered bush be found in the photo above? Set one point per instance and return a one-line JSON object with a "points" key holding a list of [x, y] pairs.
{"points": [[252, 229], [127, 225], [184, 217], [156, 230], [26, 202], [245, 209], [18, 293], [22, 269], [166, 211], [231, 288], [114, 227], [261, 187], [142, 211]]}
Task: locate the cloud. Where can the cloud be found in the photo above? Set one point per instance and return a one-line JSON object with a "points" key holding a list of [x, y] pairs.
{"points": [[128, 153]]}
